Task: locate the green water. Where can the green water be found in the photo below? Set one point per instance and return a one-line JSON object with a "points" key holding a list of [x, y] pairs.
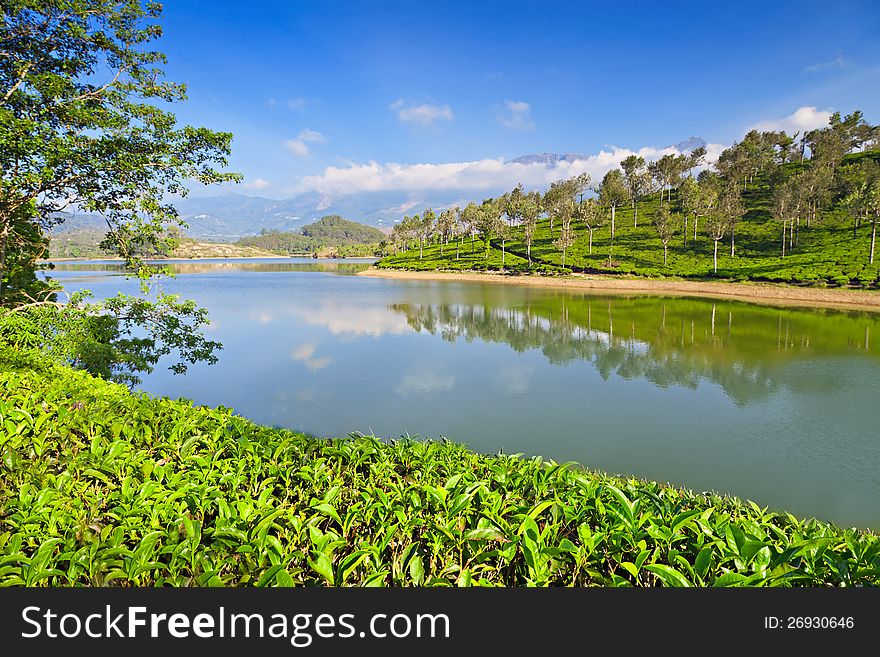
{"points": [[781, 406]]}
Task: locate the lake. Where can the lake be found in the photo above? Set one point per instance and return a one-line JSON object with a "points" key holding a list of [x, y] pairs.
{"points": [[777, 405]]}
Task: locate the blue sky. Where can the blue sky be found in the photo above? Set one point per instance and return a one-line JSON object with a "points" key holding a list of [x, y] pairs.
{"points": [[356, 86]]}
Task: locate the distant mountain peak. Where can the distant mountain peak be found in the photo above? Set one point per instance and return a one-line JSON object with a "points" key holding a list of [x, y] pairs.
{"points": [[689, 144], [547, 158]]}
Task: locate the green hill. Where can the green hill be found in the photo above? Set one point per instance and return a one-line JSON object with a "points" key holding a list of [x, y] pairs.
{"points": [[331, 235], [830, 250]]}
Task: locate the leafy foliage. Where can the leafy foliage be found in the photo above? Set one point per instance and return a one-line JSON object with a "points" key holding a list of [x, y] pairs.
{"points": [[114, 338], [81, 124], [100, 486]]}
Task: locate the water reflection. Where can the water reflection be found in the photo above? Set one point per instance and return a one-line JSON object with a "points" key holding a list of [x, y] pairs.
{"points": [[745, 349]]}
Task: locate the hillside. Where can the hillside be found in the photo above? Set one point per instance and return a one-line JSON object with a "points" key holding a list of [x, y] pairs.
{"points": [[330, 236], [83, 243], [829, 250]]}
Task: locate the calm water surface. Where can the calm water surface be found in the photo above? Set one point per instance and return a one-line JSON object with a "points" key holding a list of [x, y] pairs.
{"points": [[781, 406]]}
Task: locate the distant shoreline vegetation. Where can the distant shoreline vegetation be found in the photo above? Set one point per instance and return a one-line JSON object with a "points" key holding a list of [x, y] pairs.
{"points": [[764, 212], [330, 237]]}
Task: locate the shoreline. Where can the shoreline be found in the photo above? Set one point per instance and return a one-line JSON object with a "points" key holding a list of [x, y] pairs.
{"points": [[773, 294]]}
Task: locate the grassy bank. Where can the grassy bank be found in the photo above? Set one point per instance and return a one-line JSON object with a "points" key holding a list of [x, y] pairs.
{"points": [[827, 252], [99, 486]]}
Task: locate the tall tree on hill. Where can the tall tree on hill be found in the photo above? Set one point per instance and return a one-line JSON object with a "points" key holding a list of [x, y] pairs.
{"points": [[786, 206], [592, 215], [862, 199], [446, 226], [512, 202], [530, 209], [731, 208], [489, 222], [733, 164], [664, 222], [469, 218], [667, 172], [561, 192], [637, 181], [566, 236], [424, 228], [694, 159], [613, 193], [716, 226]]}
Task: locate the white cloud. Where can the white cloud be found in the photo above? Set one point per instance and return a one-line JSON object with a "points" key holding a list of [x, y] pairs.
{"points": [[305, 354], [311, 135], [516, 115], [473, 176], [421, 114], [257, 183], [353, 320], [838, 62], [297, 147], [296, 103], [803, 119]]}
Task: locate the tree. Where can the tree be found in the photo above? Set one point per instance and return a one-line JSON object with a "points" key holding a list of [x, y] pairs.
{"points": [[82, 125], [664, 221], [716, 226], [512, 204], [863, 197], [731, 207], [786, 203], [469, 219], [446, 226], [529, 211], [667, 171], [637, 181], [425, 228], [694, 159], [613, 193], [70, 135], [561, 193], [590, 214], [489, 222], [702, 199], [566, 236]]}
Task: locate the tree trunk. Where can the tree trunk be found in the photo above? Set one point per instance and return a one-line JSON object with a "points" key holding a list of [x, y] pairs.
{"points": [[420, 248], [457, 248], [502, 252], [591, 241], [783, 237], [529, 251], [732, 242], [685, 229], [695, 227], [873, 238], [635, 216], [664, 255], [612, 221], [715, 259]]}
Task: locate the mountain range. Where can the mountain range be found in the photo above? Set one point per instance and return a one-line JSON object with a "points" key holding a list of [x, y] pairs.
{"points": [[229, 216]]}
